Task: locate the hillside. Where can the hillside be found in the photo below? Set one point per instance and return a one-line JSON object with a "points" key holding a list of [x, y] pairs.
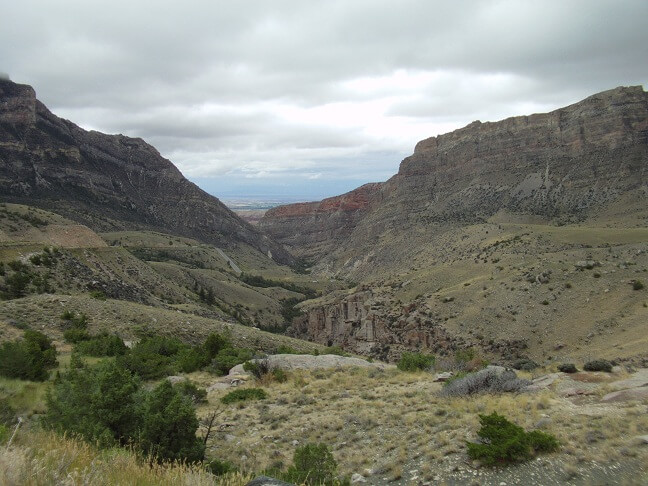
{"points": [[479, 240], [107, 182], [44, 253]]}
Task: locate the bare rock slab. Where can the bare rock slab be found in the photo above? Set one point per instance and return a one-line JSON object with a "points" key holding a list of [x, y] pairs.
{"points": [[310, 362], [627, 395]]}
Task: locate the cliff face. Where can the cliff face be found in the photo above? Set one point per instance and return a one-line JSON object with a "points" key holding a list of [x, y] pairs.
{"points": [[107, 182], [562, 166], [372, 322], [313, 228], [564, 163]]}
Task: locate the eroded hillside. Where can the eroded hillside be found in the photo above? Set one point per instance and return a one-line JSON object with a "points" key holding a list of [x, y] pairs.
{"points": [[479, 240]]}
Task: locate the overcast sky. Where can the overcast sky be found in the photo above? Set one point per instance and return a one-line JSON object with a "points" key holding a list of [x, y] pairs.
{"points": [[312, 98]]}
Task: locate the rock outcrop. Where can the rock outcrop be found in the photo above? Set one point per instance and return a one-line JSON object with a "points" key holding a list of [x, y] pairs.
{"points": [[371, 322], [561, 166], [107, 182], [290, 362]]}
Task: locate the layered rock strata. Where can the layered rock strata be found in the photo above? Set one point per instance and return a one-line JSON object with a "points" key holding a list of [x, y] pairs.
{"points": [[107, 182], [561, 166]]}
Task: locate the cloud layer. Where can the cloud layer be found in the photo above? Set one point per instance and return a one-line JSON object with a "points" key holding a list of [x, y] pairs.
{"points": [[312, 98]]}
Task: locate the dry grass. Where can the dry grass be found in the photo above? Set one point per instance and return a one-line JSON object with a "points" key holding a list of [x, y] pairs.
{"points": [[42, 458], [43, 313], [390, 421]]}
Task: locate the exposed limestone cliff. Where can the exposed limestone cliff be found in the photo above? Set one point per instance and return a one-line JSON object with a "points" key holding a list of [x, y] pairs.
{"points": [[106, 181]]}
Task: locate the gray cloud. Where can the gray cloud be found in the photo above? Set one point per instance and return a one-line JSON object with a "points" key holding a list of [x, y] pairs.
{"points": [[310, 90]]}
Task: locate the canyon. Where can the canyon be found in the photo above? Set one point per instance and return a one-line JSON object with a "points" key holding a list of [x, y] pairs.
{"points": [[494, 215]]}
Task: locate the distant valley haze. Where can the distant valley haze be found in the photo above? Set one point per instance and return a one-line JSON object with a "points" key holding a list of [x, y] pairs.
{"points": [[303, 100]]}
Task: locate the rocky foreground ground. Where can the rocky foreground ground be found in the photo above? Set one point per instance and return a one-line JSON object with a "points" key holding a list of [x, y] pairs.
{"points": [[389, 427]]}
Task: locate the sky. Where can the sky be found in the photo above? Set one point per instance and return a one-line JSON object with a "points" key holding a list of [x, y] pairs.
{"points": [[306, 99]]}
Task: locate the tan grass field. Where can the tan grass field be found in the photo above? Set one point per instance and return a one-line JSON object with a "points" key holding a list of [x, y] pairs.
{"points": [[384, 424]]}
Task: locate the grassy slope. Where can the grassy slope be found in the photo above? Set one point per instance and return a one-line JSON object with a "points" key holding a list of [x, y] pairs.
{"points": [[159, 270], [39, 458], [484, 268], [393, 423], [130, 319]]}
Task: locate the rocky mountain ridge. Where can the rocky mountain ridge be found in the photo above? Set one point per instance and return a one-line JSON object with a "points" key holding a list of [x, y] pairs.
{"points": [[476, 241], [107, 182], [561, 167]]}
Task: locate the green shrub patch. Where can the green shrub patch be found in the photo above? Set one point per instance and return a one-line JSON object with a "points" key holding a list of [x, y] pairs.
{"points": [[244, 394], [504, 442]]}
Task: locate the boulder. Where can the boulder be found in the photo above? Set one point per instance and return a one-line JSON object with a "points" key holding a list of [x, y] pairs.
{"points": [[358, 478], [543, 382], [627, 395], [443, 377], [175, 379], [638, 379], [310, 362]]}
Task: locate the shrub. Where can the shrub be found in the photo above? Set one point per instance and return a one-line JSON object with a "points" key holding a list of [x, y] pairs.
{"points": [[191, 359], [147, 365], [44, 344], [227, 358], [29, 358], [567, 368], [279, 375], [97, 403], [167, 426], [218, 468], [284, 349], [153, 357], [98, 294], [103, 344], [488, 380], [244, 394], [505, 442], [259, 368], [525, 364], [214, 344], [313, 464], [74, 321], [337, 350], [75, 335], [637, 285], [105, 404], [7, 413], [17, 284], [191, 391], [462, 360], [17, 266], [598, 365], [415, 361]]}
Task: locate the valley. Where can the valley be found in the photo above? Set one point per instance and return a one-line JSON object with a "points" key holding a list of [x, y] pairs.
{"points": [[514, 244]]}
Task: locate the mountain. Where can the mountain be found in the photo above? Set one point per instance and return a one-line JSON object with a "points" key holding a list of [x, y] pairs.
{"points": [[558, 167], [518, 237], [107, 182]]}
